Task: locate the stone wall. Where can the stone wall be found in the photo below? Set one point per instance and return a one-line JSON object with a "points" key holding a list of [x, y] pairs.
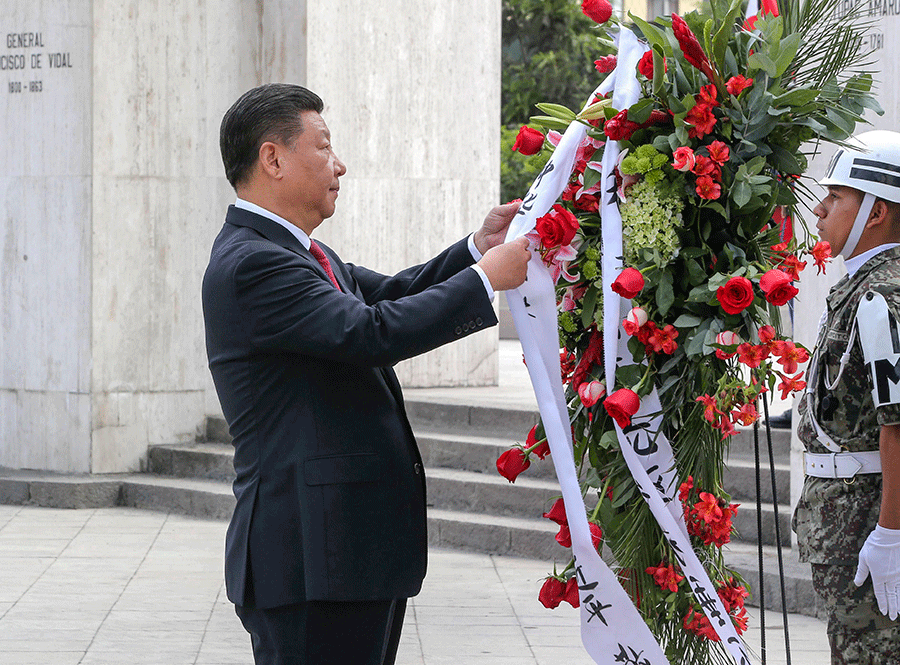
{"points": [[111, 189]]}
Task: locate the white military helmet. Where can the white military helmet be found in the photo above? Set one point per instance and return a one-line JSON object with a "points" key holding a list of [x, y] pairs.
{"points": [[871, 164]]}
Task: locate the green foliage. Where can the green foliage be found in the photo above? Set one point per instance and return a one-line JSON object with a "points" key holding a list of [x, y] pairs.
{"points": [[549, 48]]}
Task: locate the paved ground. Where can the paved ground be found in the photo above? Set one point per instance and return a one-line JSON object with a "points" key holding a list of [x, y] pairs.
{"points": [[131, 587]]}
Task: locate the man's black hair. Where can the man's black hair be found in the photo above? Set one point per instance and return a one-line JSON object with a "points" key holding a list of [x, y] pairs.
{"points": [[268, 113]]}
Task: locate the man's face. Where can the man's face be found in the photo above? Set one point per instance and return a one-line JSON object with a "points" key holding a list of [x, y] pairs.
{"points": [[311, 171], [836, 213]]}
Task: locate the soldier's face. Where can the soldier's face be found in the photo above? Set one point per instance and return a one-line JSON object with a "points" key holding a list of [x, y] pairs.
{"points": [[836, 213]]}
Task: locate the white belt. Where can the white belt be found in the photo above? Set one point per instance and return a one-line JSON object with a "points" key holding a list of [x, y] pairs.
{"points": [[841, 465]]}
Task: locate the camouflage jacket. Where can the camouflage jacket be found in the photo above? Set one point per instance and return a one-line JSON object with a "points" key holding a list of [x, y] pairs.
{"points": [[834, 517]]}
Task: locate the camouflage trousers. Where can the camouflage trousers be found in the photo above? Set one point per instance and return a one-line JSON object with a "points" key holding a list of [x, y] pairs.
{"points": [[859, 634]]}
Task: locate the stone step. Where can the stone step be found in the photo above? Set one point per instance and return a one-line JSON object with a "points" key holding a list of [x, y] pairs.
{"points": [[508, 422], [745, 524], [211, 461], [481, 493], [493, 534], [742, 444], [800, 597], [475, 453], [740, 481]]}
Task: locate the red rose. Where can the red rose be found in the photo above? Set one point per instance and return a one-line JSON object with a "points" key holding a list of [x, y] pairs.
{"points": [[552, 593], [629, 283], [736, 295], [645, 64], [529, 141], [597, 10], [557, 227], [684, 159], [776, 285], [541, 449], [564, 537], [591, 392], [571, 593], [557, 513], [621, 405], [511, 463]]}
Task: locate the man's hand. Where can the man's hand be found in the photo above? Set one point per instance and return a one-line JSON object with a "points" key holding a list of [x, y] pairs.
{"points": [[493, 230], [506, 265], [880, 557]]}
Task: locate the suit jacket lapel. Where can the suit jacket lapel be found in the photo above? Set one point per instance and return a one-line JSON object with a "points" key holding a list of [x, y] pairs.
{"points": [[281, 236]]}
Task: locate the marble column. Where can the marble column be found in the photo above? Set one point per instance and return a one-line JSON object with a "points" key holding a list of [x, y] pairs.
{"points": [[112, 190]]}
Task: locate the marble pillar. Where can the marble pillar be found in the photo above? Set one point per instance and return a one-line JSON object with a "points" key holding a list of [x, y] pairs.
{"points": [[112, 190]]}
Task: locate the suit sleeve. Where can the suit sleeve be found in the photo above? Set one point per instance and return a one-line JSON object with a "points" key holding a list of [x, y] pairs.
{"points": [[376, 287], [289, 307]]}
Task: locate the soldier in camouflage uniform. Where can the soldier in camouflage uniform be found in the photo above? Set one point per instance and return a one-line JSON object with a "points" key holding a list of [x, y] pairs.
{"points": [[848, 517]]}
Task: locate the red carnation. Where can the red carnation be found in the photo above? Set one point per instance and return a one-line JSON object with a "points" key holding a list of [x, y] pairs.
{"points": [[511, 463], [552, 593], [776, 285], [597, 10], [736, 295], [621, 405], [605, 64], [528, 141], [629, 283]]}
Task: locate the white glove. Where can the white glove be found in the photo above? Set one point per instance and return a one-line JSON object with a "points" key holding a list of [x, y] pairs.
{"points": [[880, 556]]}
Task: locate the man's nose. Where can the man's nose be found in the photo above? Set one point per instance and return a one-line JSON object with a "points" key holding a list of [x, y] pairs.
{"points": [[339, 167]]}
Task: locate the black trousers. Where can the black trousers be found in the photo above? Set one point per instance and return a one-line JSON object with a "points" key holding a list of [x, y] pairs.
{"points": [[325, 633]]}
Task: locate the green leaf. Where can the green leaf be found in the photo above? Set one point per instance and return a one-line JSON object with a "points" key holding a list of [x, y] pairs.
{"points": [[798, 97], [698, 339], [789, 47], [640, 112], [592, 177], [588, 305], [687, 321], [653, 35], [741, 193], [762, 61], [725, 31], [665, 295]]}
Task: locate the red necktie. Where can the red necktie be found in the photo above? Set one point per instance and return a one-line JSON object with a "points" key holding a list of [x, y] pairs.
{"points": [[317, 252]]}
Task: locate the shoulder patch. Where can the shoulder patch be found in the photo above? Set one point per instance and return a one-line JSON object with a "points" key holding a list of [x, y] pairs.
{"points": [[879, 337]]}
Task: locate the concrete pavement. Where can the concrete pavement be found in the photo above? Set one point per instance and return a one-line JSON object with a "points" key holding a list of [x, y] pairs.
{"points": [[130, 587]]}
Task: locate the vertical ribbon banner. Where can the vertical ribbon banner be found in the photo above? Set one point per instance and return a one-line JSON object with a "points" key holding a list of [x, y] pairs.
{"points": [[611, 628]]}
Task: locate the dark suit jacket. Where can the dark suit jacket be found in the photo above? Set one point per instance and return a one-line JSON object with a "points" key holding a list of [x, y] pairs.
{"points": [[330, 488]]}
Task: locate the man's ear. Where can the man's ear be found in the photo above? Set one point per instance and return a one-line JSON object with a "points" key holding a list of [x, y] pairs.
{"points": [[270, 159], [878, 216]]}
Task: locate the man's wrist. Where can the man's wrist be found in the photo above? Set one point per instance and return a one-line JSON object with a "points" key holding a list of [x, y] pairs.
{"points": [[476, 253]]}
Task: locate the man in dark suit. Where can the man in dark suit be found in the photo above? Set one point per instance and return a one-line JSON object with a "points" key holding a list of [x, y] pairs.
{"points": [[328, 536]]}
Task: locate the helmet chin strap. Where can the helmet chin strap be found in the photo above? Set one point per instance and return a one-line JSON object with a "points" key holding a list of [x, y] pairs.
{"points": [[859, 224]]}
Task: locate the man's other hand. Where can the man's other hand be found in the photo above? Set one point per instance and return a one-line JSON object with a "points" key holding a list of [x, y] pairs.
{"points": [[493, 231], [506, 265]]}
